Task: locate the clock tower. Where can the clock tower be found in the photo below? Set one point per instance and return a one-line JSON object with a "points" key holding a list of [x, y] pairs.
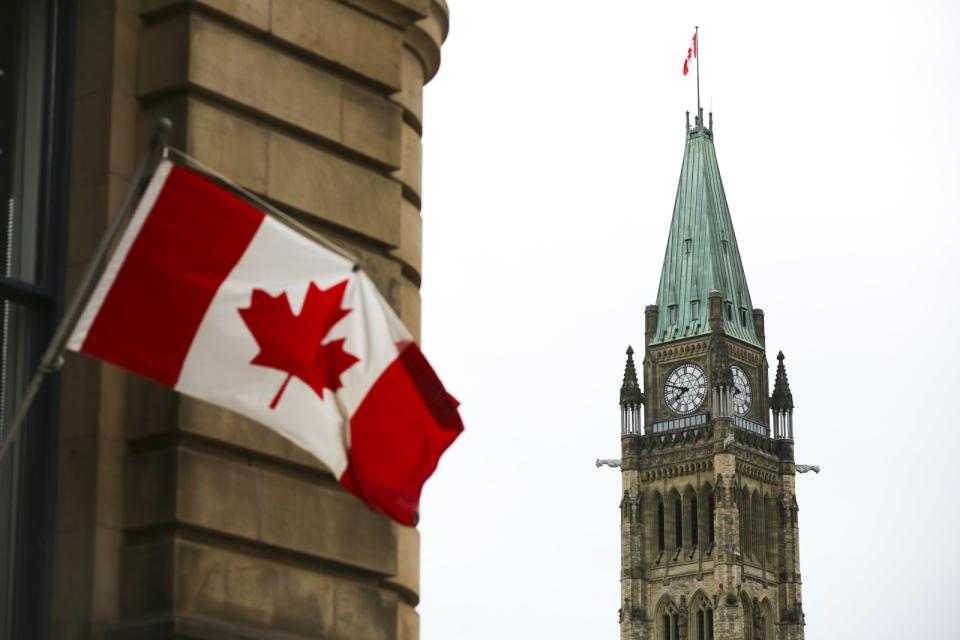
{"points": [[709, 531]]}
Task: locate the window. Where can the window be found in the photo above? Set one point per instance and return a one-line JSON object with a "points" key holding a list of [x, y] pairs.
{"points": [[678, 524], [673, 313], [704, 622], [743, 317], [688, 246], [711, 515], [728, 310], [694, 310], [669, 621], [694, 524], [34, 110], [661, 538]]}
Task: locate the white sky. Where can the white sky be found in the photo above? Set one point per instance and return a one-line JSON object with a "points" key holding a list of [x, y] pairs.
{"points": [[553, 141]]}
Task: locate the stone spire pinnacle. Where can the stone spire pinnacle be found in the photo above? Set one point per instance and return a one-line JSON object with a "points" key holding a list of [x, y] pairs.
{"points": [[782, 399], [630, 394]]}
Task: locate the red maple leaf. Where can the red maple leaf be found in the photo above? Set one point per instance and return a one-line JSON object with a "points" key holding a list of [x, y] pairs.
{"points": [[294, 343]]}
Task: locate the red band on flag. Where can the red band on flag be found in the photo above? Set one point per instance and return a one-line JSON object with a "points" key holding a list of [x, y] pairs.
{"points": [[691, 54], [406, 421], [189, 243]]}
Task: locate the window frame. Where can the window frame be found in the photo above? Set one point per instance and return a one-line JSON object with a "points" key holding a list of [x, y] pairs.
{"points": [[25, 605]]}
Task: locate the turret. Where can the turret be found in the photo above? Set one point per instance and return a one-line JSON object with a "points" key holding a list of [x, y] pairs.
{"points": [[631, 399], [781, 403]]}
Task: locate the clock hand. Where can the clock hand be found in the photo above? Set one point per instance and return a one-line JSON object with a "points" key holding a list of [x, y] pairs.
{"points": [[682, 390]]}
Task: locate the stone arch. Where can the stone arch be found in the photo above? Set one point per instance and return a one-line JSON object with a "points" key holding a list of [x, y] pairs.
{"points": [[701, 617], [768, 622], [666, 619], [746, 606]]}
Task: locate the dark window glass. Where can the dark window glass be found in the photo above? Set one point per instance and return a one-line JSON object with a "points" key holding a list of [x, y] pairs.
{"points": [[711, 516], [34, 105], [678, 524], [661, 538], [694, 523]]}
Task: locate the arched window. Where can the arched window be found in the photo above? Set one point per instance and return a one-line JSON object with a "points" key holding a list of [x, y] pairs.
{"points": [[670, 626], [701, 612], [766, 621], [771, 530], [678, 524], [756, 509], [668, 620], [661, 532], [746, 524], [694, 523], [704, 623], [711, 517]]}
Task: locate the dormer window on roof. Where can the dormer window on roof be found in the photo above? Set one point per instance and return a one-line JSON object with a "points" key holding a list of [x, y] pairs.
{"points": [[694, 310]]}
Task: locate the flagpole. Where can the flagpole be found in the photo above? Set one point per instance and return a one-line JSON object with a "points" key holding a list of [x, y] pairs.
{"points": [[696, 43], [52, 358]]}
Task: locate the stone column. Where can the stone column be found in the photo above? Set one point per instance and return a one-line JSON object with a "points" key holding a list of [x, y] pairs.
{"points": [[633, 545], [728, 615], [790, 621], [175, 517]]}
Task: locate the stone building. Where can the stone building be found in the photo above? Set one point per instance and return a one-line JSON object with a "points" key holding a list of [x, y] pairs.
{"points": [[709, 532], [127, 511]]}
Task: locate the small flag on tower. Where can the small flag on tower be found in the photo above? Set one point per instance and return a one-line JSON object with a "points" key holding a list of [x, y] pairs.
{"points": [[209, 295], [691, 54]]}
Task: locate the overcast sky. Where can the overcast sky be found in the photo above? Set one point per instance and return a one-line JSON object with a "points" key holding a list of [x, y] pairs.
{"points": [[553, 141]]}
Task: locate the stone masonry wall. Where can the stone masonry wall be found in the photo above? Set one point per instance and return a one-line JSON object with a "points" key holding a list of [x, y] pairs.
{"points": [[176, 518]]}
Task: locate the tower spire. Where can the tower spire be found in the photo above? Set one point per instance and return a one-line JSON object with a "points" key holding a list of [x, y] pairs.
{"points": [[782, 399], [781, 403], [631, 398], [630, 390], [702, 256]]}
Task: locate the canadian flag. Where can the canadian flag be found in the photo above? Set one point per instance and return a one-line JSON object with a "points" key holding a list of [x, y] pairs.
{"points": [[207, 294], [691, 54]]}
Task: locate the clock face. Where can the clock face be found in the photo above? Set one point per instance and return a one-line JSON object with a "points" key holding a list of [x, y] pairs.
{"points": [[742, 393], [685, 389]]}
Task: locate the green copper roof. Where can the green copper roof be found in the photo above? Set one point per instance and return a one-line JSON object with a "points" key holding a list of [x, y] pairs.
{"points": [[702, 254]]}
